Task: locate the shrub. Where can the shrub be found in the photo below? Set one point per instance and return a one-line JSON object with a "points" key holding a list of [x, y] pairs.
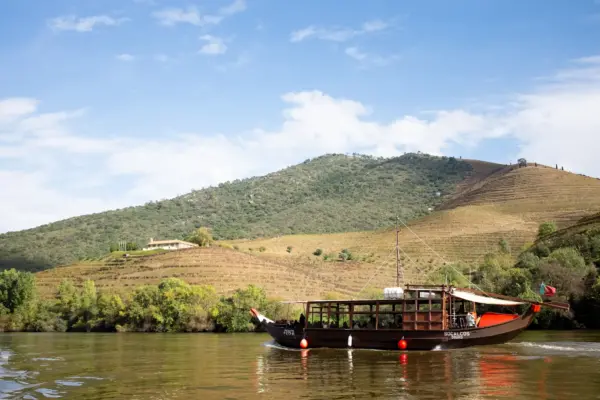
{"points": [[541, 250], [504, 246], [546, 228], [317, 252], [201, 236], [345, 255], [568, 257], [528, 261], [289, 249]]}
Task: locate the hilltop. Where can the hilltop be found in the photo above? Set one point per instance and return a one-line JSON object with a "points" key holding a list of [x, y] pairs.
{"points": [[332, 193]]}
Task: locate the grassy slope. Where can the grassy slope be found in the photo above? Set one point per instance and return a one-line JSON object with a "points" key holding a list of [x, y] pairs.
{"points": [[334, 193], [491, 207]]}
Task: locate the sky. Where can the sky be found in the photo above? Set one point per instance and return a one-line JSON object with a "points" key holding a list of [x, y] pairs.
{"points": [[110, 103]]}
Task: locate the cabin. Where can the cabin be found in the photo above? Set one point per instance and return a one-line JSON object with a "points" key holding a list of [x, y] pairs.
{"points": [[418, 308], [168, 245]]}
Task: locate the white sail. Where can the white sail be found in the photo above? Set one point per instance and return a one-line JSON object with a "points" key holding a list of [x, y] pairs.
{"points": [[484, 299]]}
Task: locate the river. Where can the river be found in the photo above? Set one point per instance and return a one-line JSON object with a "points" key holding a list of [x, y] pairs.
{"points": [[537, 365]]}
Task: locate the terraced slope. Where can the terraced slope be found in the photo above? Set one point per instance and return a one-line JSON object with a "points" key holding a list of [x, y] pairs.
{"points": [[451, 235], [288, 277], [332, 193], [534, 194], [500, 204]]}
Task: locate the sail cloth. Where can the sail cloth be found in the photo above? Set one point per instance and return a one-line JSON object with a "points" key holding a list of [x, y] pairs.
{"points": [[484, 299]]}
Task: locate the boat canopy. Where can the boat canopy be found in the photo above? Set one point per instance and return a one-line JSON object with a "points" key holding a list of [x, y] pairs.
{"points": [[484, 299]]}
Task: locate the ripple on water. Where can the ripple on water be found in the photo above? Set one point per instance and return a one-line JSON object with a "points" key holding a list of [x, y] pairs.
{"points": [[208, 366], [49, 393], [574, 349]]}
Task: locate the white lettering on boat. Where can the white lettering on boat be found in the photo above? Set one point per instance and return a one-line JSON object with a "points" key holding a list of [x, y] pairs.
{"points": [[288, 332], [457, 335]]}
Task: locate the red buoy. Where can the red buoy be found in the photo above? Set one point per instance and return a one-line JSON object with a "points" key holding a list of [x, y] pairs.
{"points": [[402, 344], [303, 343]]}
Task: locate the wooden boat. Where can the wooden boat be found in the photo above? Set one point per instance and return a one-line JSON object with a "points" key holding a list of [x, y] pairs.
{"points": [[426, 317], [416, 317]]}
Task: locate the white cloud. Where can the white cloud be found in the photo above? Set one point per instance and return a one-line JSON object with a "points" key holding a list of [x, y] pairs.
{"points": [[16, 107], [337, 34], [366, 59], [125, 57], [237, 6], [213, 46], [355, 53], [85, 24], [556, 123], [172, 16]]}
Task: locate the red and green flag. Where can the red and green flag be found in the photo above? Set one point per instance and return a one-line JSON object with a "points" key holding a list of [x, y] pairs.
{"points": [[546, 290]]}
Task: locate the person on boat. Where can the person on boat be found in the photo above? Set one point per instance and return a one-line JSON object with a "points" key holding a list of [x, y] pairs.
{"points": [[471, 319], [302, 320]]}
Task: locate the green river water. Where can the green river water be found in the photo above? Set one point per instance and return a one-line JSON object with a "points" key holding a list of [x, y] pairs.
{"points": [[536, 365]]}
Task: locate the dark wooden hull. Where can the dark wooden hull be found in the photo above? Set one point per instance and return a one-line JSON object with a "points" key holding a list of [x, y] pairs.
{"points": [[387, 339]]}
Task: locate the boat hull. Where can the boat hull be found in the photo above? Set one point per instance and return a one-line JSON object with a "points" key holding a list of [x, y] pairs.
{"points": [[388, 339]]}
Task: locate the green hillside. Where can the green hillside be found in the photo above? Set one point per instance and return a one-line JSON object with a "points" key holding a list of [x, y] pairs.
{"points": [[568, 259], [332, 193]]}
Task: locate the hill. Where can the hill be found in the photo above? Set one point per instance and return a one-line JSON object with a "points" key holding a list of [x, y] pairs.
{"points": [[286, 266], [332, 193], [535, 193]]}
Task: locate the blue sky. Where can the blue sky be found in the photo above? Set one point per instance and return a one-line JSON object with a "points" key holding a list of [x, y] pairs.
{"points": [[108, 103]]}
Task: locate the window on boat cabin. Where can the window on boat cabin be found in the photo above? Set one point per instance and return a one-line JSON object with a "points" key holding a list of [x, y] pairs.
{"points": [[390, 316], [364, 316], [329, 315]]}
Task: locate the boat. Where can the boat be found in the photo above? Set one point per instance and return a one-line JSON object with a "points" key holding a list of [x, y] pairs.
{"points": [[413, 317]]}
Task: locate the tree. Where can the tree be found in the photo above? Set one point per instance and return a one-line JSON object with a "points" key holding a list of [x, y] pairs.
{"points": [[201, 236], [16, 288], [522, 162], [546, 228], [504, 246], [130, 246], [568, 257], [88, 310]]}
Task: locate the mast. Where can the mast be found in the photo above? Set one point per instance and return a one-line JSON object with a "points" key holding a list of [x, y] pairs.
{"points": [[399, 276]]}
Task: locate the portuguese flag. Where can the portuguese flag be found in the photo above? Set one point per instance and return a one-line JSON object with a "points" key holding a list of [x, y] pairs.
{"points": [[546, 290]]}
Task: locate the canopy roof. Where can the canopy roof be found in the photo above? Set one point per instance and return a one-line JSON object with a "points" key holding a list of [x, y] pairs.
{"points": [[484, 299]]}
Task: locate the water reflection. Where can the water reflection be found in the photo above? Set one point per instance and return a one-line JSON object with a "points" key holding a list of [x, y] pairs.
{"points": [[488, 373]]}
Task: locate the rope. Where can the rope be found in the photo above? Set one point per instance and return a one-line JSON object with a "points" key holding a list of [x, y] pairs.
{"points": [[373, 276], [442, 258]]}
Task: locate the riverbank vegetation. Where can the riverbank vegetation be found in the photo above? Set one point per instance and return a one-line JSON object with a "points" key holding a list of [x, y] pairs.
{"points": [[171, 306], [567, 259]]}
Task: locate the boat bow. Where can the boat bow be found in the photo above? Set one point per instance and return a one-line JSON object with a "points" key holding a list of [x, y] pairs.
{"points": [[261, 318]]}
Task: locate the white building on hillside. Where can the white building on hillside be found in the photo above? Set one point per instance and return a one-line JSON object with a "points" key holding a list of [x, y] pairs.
{"points": [[169, 244]]}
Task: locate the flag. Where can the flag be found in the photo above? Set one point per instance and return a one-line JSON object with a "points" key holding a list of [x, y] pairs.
{"points": [[546, 290]]}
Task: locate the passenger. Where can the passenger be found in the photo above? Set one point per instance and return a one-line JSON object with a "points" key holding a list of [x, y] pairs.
{"points": [[471, 320], [302, 319]]}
